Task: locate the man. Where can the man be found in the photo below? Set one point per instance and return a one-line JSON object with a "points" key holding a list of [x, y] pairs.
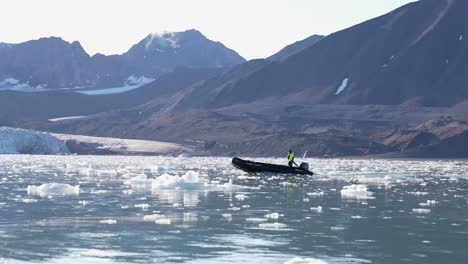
{"points": [[291, 158]]}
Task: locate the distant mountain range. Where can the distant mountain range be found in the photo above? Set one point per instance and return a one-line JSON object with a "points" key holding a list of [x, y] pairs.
{"points": [[391, 86], [51, 63]]}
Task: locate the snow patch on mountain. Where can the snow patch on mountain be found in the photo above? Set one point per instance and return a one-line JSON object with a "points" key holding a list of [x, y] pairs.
{"points": [[343, 85], [131, 83], [16, 85], [25, 141]]}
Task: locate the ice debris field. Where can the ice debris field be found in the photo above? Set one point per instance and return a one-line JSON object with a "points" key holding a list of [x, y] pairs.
{"points": [[107, 209]]}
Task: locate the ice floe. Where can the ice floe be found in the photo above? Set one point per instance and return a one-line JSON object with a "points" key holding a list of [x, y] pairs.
{"points": [[53, 189], [317, 209], [163, 221], [108, 221], [299, 260], [272, 216], [421, 210], [191, 180], [272, 225], [357, 192]]}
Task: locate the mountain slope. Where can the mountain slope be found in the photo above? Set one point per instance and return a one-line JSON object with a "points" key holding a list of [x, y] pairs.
{"points": [[296, 47], [416, 55]]}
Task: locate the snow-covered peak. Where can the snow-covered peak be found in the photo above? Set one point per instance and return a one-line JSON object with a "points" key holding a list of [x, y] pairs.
{"points": [[25, 141], [164, 39]]}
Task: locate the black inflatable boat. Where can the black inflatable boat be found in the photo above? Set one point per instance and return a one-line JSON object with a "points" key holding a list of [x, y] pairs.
{"points": [[251, 166]]}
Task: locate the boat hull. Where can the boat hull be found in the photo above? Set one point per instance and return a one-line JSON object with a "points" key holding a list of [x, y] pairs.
{"points": [[251, 166]]}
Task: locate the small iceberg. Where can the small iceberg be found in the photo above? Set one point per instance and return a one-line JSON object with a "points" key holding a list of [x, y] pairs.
{"points": [[53, 189], [356, 192]]}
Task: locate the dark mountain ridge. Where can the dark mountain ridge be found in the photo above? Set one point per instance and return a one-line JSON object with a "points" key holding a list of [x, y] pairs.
{"points": [[415, 54], [54, 63]]}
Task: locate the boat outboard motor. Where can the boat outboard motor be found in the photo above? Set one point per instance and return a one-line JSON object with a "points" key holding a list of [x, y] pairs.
{"points": [[304, 165]]}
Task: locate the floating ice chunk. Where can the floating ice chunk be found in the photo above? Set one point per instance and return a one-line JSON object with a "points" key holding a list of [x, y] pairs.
{"points": [[272, 225], [316, 194], [53, 189], [460, 38], [189, 181], [108, 221], [163, 221], [357, 217], [137, 180], [272, 216], [421, 211], [83, 203], [25, 200], [428, 203], [153, 217], [241, 197], [343, 85], [256, 220], [227, 216], [317, 209], [299, 260], [142, 206], [356, 191], [337, 228], [418, 193]]}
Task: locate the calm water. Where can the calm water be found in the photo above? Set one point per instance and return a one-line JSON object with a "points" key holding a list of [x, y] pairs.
{"points": [[127, 212]]}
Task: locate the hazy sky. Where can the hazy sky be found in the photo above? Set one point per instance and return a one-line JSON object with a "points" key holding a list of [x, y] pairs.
{"points": [[254, 28]]}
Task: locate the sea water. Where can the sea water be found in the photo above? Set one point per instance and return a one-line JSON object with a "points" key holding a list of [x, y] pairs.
{"points": [[103, 209]]}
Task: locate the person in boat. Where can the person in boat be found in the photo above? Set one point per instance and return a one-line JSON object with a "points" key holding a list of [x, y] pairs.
{"points": [[291, 158]]}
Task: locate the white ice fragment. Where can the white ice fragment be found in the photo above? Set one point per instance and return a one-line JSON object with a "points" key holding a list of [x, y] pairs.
{"points": [[153, 217], [317, 209], [83, 203], [418, 193], [227, 216], [53, 189], [142, 206], [315, 194], [357, 192], [256, 220], [337, 228], [421, 211], [108, 221], [299, 260], [163, 221], [343, 85], [272, 225], [272, 216], [241, 197], [428, 203], [189, 181], [460, 38]]}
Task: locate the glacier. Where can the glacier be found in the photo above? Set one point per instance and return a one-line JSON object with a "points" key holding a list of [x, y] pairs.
{"points": [[25, 141]]}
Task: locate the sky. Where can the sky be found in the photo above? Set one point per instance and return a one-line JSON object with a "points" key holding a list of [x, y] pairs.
{"points": [[253, 28]]}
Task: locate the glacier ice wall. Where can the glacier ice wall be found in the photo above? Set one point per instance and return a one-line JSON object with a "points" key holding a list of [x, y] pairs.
{"points": [[25, 141]]}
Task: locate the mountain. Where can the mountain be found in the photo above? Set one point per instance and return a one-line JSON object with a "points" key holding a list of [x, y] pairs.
{"points": [[296, 47], [415, 55], [15, 106], [391, 86], [47, 62], [50, 63]]}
